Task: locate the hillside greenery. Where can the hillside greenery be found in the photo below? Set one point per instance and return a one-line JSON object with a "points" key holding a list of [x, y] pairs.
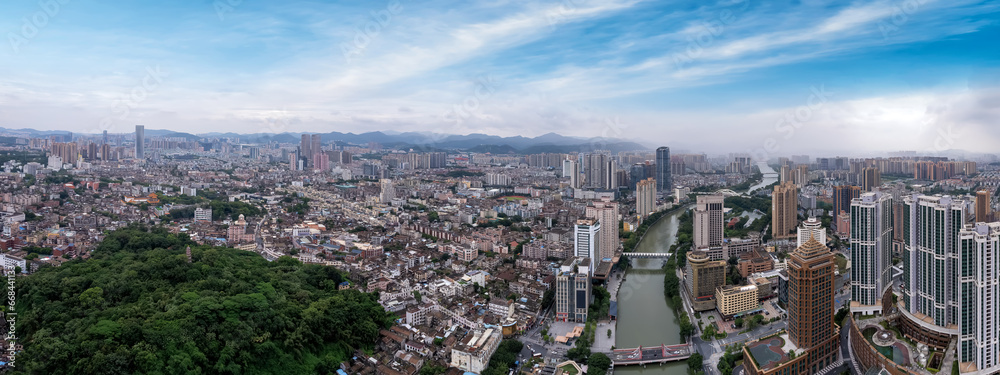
{"points": [[139, 307]]}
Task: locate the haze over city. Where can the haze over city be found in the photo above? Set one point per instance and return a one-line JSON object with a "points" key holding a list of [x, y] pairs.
{"points": [[899, 71]]}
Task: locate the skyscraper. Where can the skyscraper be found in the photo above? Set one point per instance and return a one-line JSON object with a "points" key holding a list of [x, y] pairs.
{"points": [[596, 167], [811, 305], [645, 197], [314, 148], [140, 142], [305, 147], [664, 180], [871, 251], [703, 276], [606, 212], [979, 304], [871, 178], [930, 259], [842, 196], [586, 241], [571, 168], [573, 290], [983, 208], [708, 225], [784, 210]]}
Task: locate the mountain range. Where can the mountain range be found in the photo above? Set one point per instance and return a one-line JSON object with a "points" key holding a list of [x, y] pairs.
{"points": [[550, 142]]}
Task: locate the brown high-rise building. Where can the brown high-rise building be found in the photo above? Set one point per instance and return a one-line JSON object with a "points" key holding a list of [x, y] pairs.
{"points": [[871, 178], [703, 276], [811, 329], [305, 147], [784, 210], [984, 212], [810, 294]]}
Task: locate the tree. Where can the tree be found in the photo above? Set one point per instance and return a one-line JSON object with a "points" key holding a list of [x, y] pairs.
{"points": [[709, 333], [739, 322], [598, 364], [417, 296], [752, 323], [696, 362], [220, 319], [548, 298], [609, 333]]}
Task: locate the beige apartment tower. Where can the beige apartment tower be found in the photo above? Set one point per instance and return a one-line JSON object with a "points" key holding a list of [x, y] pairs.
{"points": [[784, 211]]}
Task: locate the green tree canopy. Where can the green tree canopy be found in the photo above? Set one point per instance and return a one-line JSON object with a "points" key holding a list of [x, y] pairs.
{"points": [[139, 307]]}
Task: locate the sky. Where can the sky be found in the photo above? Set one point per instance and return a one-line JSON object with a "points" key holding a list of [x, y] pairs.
{"points": [[765, 77]]}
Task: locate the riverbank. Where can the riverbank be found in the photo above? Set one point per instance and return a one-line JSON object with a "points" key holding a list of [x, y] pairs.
{"points": [[644, 319]]}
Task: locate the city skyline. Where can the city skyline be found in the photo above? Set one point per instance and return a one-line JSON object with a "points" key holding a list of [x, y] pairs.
{"points": [[917, 75]]}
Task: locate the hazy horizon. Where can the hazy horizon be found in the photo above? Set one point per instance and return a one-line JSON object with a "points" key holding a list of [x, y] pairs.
{"points": [[804, 77]]}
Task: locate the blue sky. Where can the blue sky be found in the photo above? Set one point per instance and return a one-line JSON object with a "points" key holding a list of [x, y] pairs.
{"points": [[732, 75]]}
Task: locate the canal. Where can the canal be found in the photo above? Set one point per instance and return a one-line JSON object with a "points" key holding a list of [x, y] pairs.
{"points": [[643, 315], [770, 177]]}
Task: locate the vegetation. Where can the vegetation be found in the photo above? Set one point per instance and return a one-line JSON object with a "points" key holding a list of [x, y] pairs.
{"points": [[462, 173], [598, 364], [504, 358], [179, 199], [138, 306], [729, 359], [220, 210], [695, 363], [601, 306]]}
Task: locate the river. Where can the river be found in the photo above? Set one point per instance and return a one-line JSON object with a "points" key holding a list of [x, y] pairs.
{"points": [[770, 177], [643, 315]]}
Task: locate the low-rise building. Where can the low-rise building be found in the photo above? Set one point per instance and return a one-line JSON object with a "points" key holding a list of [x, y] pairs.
{"points": [[734, 301], [473, 353]]}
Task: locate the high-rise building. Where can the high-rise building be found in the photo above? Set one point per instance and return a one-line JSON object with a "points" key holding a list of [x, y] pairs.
{"points": [[388, 191], [305, 147], [645, 197], [871, 251], [871, 178], [586, 240], [979, 299], [314, 149], [573, 290], [571, 169], [984, 211], [664, 179], [800, 175], [784, 210], [811, 228], [931, 257], [702, 276], [708, 221], [842, 197], [811, 307], [596, 167], [605, 212], [140, 142]]}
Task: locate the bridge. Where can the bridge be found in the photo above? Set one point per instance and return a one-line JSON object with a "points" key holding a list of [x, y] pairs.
{"points": [[652, 354], [648, 255]]}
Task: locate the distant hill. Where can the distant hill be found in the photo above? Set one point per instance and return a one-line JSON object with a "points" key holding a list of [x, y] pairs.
{"points": [[422, 141]]}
